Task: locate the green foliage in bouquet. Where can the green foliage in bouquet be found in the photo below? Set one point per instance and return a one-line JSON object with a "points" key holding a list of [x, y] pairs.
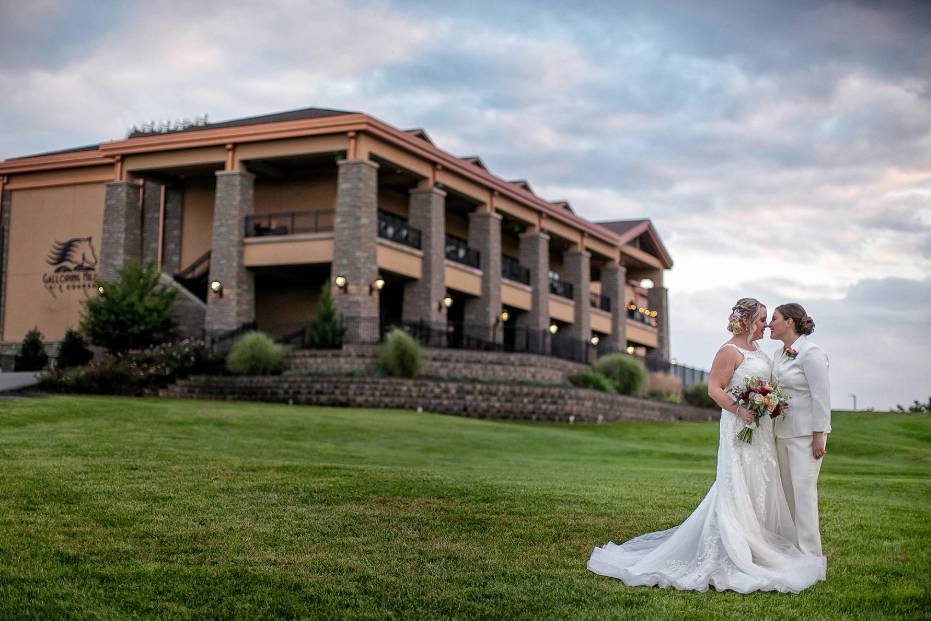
{"points": [[697, 395], [73, 351], [628, 375], [133, 312], [593, 380], [326, 328], [401, 355], [255, 353], [31, 356]]}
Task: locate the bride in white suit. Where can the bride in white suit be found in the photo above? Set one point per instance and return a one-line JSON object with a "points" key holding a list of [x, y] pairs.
{"points": [[801, 434]]}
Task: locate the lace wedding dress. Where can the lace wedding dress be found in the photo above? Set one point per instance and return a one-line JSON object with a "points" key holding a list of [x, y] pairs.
{"points": [[741, 537]]}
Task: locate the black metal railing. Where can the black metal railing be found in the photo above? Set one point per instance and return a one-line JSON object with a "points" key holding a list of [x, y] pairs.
{"points": [[513, 270], [562, 289], [601, 302], [195, 276], [290, 223], [397, 230], [457, 249]]}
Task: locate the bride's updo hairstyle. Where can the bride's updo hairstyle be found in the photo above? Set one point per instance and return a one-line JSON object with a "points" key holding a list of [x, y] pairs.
{"points": [[743, 315], [803, 323]]}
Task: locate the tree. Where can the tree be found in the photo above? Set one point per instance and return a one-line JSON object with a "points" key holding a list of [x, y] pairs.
{"points": [[326, 328], [132, 312], [31, 356], [73, 351]]}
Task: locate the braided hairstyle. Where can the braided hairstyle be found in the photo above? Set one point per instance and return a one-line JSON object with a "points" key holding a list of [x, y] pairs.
{"points": [[743, 314]]}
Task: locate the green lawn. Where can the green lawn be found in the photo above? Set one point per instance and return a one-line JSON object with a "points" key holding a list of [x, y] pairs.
{"points": [[136, 508]]}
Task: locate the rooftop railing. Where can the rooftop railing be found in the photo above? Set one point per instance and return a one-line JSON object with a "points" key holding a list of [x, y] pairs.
{"points": [[562, 289], [397, 229], [601, 302], [458, 250], [513, 270]]}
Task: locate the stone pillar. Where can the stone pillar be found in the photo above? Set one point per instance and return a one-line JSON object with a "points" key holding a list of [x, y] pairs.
{"points": [[354, 249], [427, 212], [233, 201], [612, 287], [577, 270], [6, 204], [535, 256], [122, 228], [658, 298], [481, 313], [151, 214], [171, 231]]}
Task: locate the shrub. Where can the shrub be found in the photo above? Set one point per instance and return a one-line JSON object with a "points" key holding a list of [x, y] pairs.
{"points": [[628, 375], [132, 313], [697, 395], [133, 372], [31, 356], [326, 328], [593, 380], [255, 353], [401, 355], [666, 386], [73, 351]]}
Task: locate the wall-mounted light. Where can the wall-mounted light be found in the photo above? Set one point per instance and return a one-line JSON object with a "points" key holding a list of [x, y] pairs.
{"points": [[595, 340], [504, 316], [673, 362], [630, 350], [553, 328], [99, 289], [646, 283], [445, 303], [377, 285], [342, 283], [217, 288]]}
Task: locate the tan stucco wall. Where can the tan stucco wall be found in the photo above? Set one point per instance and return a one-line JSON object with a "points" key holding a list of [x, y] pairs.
{"points": [[457, 224], [393, 202], [197, 219], [39, 218], [306, 194], [288, 250]]}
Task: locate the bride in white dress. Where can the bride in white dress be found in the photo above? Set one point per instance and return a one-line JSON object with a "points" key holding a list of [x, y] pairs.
{"points": [[741, 536]]}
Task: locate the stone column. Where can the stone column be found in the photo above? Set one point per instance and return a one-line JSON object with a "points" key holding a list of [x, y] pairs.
{"points": [[481, 313], [577, 270], [122, 228], [658, 298], [612, 287], [427, 212], [171, 230], [535, 256], [355, 249], [151, 214], [6, 204], [233, 201]]}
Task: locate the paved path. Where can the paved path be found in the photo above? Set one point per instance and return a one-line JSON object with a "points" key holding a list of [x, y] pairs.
{"points": [[12, 381]]}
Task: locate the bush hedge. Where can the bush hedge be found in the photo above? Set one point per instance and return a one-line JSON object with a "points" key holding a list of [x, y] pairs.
{"points": [[73, 351], [666, 386], [697, 395], [627, 374], [593, 380], [401, 355], [31, 356], [255, 353]]}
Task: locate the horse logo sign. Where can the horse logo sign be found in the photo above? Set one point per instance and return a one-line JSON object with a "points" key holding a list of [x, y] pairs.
{"points": [[74, 266]]}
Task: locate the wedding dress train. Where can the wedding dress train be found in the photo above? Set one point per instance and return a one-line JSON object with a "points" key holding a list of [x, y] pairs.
{"points": [[741, 537]]}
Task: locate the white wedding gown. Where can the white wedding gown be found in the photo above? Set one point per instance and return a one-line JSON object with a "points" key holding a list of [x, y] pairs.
{"points": [[741, 537]]}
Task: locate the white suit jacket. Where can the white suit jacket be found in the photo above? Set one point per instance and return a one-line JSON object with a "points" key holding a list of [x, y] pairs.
{"points": [[805, 381]]}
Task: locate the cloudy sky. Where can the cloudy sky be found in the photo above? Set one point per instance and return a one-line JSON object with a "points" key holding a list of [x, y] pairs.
{"points": [[782, 149]]}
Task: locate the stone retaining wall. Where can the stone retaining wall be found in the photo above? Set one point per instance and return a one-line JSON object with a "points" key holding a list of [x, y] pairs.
{"points": [[456, 363], [477, 399]]}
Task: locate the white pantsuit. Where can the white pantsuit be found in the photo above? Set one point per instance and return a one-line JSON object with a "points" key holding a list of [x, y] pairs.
{"points": [[805, 381]]}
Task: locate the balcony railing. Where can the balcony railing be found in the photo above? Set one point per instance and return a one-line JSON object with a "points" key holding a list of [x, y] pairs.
{"points": [[397, 230], [638, 314], [458, 250], [289, 223], [513, 270], [601, 302], [562, 289]]}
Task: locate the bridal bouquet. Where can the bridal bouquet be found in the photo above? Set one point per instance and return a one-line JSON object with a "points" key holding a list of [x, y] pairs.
{"points": [[760, 397]]}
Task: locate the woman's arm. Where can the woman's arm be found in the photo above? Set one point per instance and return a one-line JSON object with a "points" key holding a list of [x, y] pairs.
{"points": [[725, 361]]}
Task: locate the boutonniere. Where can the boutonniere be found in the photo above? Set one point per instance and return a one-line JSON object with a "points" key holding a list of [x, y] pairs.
{"points": [[790, 353]]}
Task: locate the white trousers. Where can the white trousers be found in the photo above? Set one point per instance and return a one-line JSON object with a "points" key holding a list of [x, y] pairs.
{"points": [[799, 472]]}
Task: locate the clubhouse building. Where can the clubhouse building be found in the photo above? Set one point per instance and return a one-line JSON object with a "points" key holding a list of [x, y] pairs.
{"points": [[249, 219]]}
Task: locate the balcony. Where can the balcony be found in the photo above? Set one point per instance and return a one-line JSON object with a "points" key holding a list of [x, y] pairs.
{"points": [[641, 314], [289, 223], [397, 229], [601, 302], [458, 250], [513, 270], [562, 289]]}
